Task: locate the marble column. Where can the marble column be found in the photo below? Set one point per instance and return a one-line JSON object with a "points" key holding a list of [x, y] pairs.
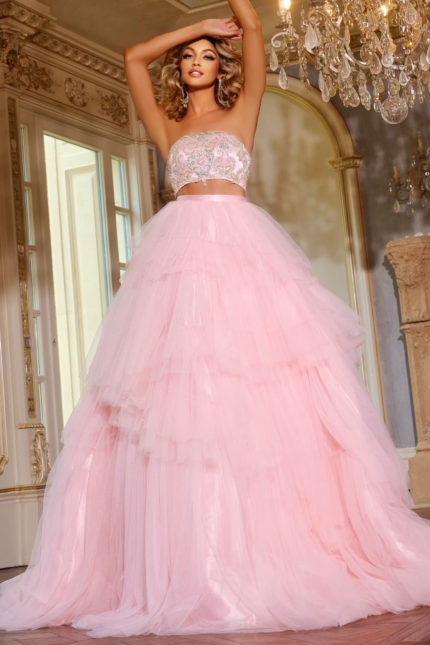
{"points": [[410, 259]]}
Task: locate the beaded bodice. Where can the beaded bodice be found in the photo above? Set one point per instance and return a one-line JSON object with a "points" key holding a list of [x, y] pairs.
{"points": [[200, 156]]}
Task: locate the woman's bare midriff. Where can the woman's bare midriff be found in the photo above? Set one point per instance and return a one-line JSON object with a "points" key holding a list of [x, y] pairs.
{"points": [[213, 187]]}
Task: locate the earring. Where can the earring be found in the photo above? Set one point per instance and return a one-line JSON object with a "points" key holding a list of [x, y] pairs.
{"points": [[184, 95], [219, 93]]}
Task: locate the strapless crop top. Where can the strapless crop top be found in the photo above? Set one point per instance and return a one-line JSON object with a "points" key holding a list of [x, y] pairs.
{"points": [[200, 156]]}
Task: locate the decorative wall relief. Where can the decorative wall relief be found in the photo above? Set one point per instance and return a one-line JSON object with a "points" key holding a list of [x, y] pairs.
{"points": [[25, 73], [40, 57], [29, 18], [17, 24], [10, 44], [115, 106], [22, 256], [40, 465], [76, 92]]}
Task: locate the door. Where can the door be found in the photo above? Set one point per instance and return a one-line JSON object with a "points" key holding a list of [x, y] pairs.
{"points": [[77, 222]]}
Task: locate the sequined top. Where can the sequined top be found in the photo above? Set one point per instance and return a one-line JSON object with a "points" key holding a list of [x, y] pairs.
{"points": [[200, 156]]}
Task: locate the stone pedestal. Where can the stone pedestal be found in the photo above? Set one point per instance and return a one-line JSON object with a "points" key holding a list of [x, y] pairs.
{"points": [[410, 259]]}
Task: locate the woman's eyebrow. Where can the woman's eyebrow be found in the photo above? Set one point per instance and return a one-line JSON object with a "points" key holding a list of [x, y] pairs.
{"points": [[205, 50]]}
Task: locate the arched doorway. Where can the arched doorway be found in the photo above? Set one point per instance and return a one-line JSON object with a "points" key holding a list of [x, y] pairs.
{"points": [[304, 174]]}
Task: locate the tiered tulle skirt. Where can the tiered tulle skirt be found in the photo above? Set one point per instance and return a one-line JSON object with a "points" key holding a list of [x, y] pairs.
{"points": [[225, 469]]}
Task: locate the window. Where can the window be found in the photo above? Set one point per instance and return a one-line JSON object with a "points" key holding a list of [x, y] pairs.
{"points": [[34, 300], [122, 211]]}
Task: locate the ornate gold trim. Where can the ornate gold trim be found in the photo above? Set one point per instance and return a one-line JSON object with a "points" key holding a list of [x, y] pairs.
{"points": [[153, 179], [30, 426], [24, 289], [345, 163], [21, 490], [40, 465]]}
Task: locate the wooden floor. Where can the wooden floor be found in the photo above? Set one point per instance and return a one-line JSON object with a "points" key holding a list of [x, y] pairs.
{"points": [[388, 629]]}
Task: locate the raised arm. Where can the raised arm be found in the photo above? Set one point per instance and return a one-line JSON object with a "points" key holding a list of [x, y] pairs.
{"points": [[253, 55], [138, 57]]}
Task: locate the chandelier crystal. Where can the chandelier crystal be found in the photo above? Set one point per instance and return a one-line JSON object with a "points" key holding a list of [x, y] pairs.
{"points": [[369, 52]]}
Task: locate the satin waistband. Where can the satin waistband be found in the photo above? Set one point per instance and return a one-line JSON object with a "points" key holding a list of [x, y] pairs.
{"points": [[211, 198]]}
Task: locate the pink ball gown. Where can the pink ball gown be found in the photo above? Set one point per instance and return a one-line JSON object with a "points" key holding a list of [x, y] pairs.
{"points": [[225, 469]]}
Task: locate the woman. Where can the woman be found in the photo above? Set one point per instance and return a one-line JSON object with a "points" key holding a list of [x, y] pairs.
{"points": [[225, 470]]}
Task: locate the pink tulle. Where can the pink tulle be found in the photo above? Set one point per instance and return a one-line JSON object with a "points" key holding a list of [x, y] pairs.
{"points": [[225, 469]]}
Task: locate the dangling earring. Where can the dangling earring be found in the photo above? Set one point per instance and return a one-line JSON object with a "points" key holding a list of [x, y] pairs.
{"points": [[219, 93], [184, 95]]}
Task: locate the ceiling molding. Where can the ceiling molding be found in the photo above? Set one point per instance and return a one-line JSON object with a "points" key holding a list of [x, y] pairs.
{"points": [[72, 49], [193, 6]]}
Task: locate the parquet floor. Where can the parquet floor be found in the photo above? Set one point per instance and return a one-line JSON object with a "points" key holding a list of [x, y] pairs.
{"points": [[411, 627]]}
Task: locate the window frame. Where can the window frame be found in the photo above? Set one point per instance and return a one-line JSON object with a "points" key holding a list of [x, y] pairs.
{"points": [[107, 147]]}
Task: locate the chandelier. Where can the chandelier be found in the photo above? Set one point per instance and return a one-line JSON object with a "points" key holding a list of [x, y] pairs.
{"points": [[370, 52], [415, 186]]}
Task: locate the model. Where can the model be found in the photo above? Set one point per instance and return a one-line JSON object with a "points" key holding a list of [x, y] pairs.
{"points": [[225, 469]]}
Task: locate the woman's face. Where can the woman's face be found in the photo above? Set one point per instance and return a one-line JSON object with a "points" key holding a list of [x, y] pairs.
{"points": [[199, 64]]}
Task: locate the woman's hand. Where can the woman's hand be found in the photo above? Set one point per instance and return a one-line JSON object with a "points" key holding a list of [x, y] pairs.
{"points": [[222, 28]]}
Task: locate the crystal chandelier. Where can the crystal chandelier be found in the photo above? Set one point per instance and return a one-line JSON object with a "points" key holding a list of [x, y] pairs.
{"points": [[416, 185], [371, 52]]}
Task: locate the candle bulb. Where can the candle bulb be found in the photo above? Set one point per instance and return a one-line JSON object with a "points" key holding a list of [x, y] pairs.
{"points": [[420, 144], [395, 173], [284, 6]]}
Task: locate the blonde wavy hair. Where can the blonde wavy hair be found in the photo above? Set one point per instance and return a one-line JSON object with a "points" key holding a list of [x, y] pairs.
{"points": [[169, 88]]}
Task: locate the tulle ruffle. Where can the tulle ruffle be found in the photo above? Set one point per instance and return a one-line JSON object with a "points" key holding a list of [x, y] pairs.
{"points": [[225, 469], [218, 308]]}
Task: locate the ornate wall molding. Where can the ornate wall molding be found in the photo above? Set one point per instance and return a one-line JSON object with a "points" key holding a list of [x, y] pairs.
{"points": [[47, 62], [26, 74], [410, 259], [18, 23], [40, 465], [22, 491], [23, 15], [65, 47], [344, 163], [115, 106], [152, 165], [76, 91], [24, 287]]}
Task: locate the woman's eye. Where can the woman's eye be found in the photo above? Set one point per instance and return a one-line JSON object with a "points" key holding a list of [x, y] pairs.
{"points": [[210, 57], [186, 56]]}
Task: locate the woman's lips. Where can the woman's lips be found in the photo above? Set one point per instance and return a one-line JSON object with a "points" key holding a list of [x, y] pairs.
{"points": [[195, 72]]}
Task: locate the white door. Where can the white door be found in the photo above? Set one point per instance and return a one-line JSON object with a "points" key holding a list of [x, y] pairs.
{"points": [[78, 221]]}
